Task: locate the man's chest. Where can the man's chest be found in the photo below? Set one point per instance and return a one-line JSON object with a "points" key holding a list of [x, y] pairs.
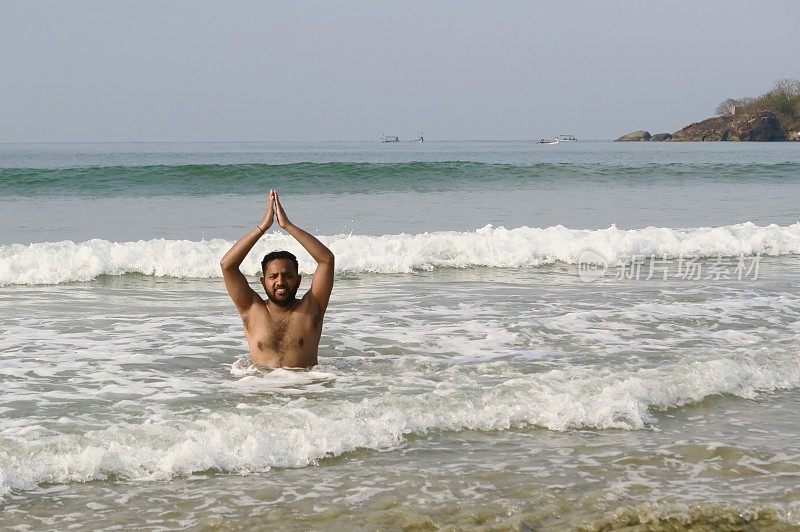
{"points": [[288, 333]]}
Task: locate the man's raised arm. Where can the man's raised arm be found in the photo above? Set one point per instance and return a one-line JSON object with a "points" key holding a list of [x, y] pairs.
{"points": [[239, 289], [322, 282]]}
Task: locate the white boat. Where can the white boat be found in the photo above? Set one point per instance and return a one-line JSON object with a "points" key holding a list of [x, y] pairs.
{"points": [[420, 139], [549, 141], [389, 138], [567, 138]]}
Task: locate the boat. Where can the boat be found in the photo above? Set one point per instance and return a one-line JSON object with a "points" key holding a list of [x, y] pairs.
{"points": [[420, 139], [389, 138], [567, 138], [549, 141]]}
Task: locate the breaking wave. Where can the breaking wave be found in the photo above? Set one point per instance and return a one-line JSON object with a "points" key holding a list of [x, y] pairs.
{"points": [[256, 438], [523, 247]]}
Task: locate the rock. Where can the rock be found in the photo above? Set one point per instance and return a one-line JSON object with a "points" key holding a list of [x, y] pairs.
{"points": [[660, 137], [716, 128], [635, 136], [762, 126]]}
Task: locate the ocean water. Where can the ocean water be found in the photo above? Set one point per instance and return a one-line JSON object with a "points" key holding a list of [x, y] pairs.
{"points": [[588, 335]]}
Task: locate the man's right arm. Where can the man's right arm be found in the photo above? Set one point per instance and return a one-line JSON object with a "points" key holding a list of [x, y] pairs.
{"points": [[239, 289]]}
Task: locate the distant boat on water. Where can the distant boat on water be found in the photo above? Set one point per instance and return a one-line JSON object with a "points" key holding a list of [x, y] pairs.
{"points": [[566, 138], [549, 141], [419, 139], [389, 138]]}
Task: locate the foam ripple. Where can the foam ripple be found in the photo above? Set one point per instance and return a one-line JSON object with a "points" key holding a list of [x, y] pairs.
{"points": [[257, 437]]}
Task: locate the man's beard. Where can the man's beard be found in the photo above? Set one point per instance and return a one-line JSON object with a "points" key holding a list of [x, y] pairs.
{"points": [[286, 300]]}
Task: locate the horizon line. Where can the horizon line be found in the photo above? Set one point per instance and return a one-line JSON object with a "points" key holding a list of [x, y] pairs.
{"points": [[531, 139]]}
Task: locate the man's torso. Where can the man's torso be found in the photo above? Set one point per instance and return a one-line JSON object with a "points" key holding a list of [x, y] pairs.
{"points": [[284, 339]]}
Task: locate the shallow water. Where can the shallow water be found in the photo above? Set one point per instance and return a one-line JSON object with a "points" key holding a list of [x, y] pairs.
{"points": [[471, 378]]}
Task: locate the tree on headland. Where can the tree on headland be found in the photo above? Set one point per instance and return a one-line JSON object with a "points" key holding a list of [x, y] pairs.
{"points": [[783, 100], [727, 106], [785, 97]]}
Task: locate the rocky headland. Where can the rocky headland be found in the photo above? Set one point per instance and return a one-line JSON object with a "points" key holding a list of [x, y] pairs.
{"points": [[774, 116]]}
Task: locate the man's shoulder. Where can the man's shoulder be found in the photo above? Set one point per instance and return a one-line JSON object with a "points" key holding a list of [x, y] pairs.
{"points": [[258, 306], [310, 304]]}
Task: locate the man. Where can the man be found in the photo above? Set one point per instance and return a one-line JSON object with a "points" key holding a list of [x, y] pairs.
{"points": [[283, 331]]}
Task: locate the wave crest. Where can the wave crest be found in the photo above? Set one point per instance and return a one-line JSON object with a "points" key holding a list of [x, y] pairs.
{"points": [[523, 247]]}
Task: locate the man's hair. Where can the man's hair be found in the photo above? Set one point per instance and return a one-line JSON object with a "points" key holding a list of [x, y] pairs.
{"points": [[278, 255]]}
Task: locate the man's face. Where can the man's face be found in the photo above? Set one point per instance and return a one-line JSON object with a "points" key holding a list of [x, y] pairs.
{"points": [[281, 281]]}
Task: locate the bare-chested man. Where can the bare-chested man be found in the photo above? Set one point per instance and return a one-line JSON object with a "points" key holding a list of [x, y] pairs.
{"points": [[283, 331]]}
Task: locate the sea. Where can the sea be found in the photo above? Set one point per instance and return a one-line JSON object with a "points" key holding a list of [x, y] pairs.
{"points": [[582, 336]]}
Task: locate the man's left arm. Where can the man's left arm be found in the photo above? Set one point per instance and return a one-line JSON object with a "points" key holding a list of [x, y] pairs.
{"points": [[322, 282]]}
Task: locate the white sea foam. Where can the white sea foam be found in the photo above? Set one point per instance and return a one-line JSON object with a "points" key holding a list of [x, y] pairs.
{"points": [[258, 436], [523, 247]]}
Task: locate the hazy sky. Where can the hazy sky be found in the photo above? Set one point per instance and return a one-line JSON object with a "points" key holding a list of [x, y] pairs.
{"points": [[304, 70]]}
